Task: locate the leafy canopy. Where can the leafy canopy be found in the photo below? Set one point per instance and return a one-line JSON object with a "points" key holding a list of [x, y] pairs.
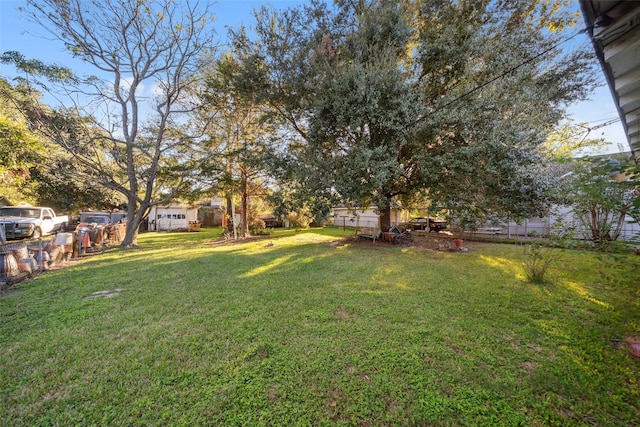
{"points": [[401, 100]]}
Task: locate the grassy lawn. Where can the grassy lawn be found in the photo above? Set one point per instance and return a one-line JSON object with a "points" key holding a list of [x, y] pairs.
{"points": [[307, 329]]}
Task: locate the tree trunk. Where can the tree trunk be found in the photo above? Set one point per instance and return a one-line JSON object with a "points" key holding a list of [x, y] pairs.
{"points": [[385, 217], [619, 226], [243, 189], [134, 219], [131, 235], [229, 214]]}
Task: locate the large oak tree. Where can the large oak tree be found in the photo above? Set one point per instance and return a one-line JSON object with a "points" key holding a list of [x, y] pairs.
{"points": [[450, 100]]}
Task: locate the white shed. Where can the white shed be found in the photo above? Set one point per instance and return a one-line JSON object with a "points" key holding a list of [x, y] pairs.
{"points": [[171, 218], [358, 217]]}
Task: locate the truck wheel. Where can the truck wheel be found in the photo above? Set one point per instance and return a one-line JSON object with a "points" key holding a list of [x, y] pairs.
{"points": [[37, 233]]}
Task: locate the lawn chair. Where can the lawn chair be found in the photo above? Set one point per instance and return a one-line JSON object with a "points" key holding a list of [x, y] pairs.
{"points": [[369, 234], [397, 237]]}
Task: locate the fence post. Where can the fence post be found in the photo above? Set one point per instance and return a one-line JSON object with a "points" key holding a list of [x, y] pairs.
{"points": [[40, 254]]}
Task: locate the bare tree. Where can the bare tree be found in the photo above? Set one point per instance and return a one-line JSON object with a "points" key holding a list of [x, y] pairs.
{"points": [[145, 53]]}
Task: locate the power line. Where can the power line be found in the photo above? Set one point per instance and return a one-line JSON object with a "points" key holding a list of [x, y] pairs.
{"points": [[488, 82], [587, 129], [601, 125]]}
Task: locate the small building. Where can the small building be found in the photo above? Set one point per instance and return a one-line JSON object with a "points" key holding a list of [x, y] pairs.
{"points": [[362, 217], [175, 217], [211, 213], [271, 221]]}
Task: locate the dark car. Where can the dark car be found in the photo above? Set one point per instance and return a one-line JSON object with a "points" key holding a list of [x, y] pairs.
{"points": [[98, 220], [426, 224]]}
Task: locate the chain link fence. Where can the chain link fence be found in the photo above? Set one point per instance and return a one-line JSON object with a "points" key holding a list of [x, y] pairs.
{"points": [[22, 259]]}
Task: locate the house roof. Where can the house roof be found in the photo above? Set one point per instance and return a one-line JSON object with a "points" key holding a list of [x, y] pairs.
{"points": [[614, 27]]}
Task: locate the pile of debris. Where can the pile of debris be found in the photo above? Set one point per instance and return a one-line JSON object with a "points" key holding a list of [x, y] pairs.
{"points": [[21, 260]]}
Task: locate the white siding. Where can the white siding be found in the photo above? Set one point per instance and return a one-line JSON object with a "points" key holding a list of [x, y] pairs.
{"points": [[358, 218], [171, 218]]}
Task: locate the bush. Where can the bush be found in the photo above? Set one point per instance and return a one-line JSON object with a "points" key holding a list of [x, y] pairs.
{"points": [[536, 260], [258, 227], [299, 219]]}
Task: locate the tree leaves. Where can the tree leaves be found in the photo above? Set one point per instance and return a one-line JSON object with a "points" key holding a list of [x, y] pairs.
{"points": [[124, 139], [411, 98]]}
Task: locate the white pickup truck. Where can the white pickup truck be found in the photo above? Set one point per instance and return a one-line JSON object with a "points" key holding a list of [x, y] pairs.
{"points": [[20, 222]]}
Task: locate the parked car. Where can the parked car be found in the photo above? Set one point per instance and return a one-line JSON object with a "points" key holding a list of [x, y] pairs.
{"points": [[100, 228], [426, 224], [20, 222]]}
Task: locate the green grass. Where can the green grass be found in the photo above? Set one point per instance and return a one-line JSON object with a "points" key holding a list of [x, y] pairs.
{"points": [[311, 330]]}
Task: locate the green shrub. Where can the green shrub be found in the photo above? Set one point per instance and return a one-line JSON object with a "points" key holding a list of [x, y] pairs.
{"points": [[536, 259], [300, 219], [258, 227]]}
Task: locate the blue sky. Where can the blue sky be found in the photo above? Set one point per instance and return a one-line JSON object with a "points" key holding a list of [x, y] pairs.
{"points": [[18, 34]]}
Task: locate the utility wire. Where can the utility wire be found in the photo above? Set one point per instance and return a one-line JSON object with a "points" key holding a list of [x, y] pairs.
{"points": [[601, 125], [488, 82], [588, 129]]}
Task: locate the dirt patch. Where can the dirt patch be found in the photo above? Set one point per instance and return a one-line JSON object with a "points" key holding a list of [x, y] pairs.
{"points": [[529, 366], [7, 289], [9, 292], [111, 293], [432, 241], [343, 314], [241, 240], [334, 401]]}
